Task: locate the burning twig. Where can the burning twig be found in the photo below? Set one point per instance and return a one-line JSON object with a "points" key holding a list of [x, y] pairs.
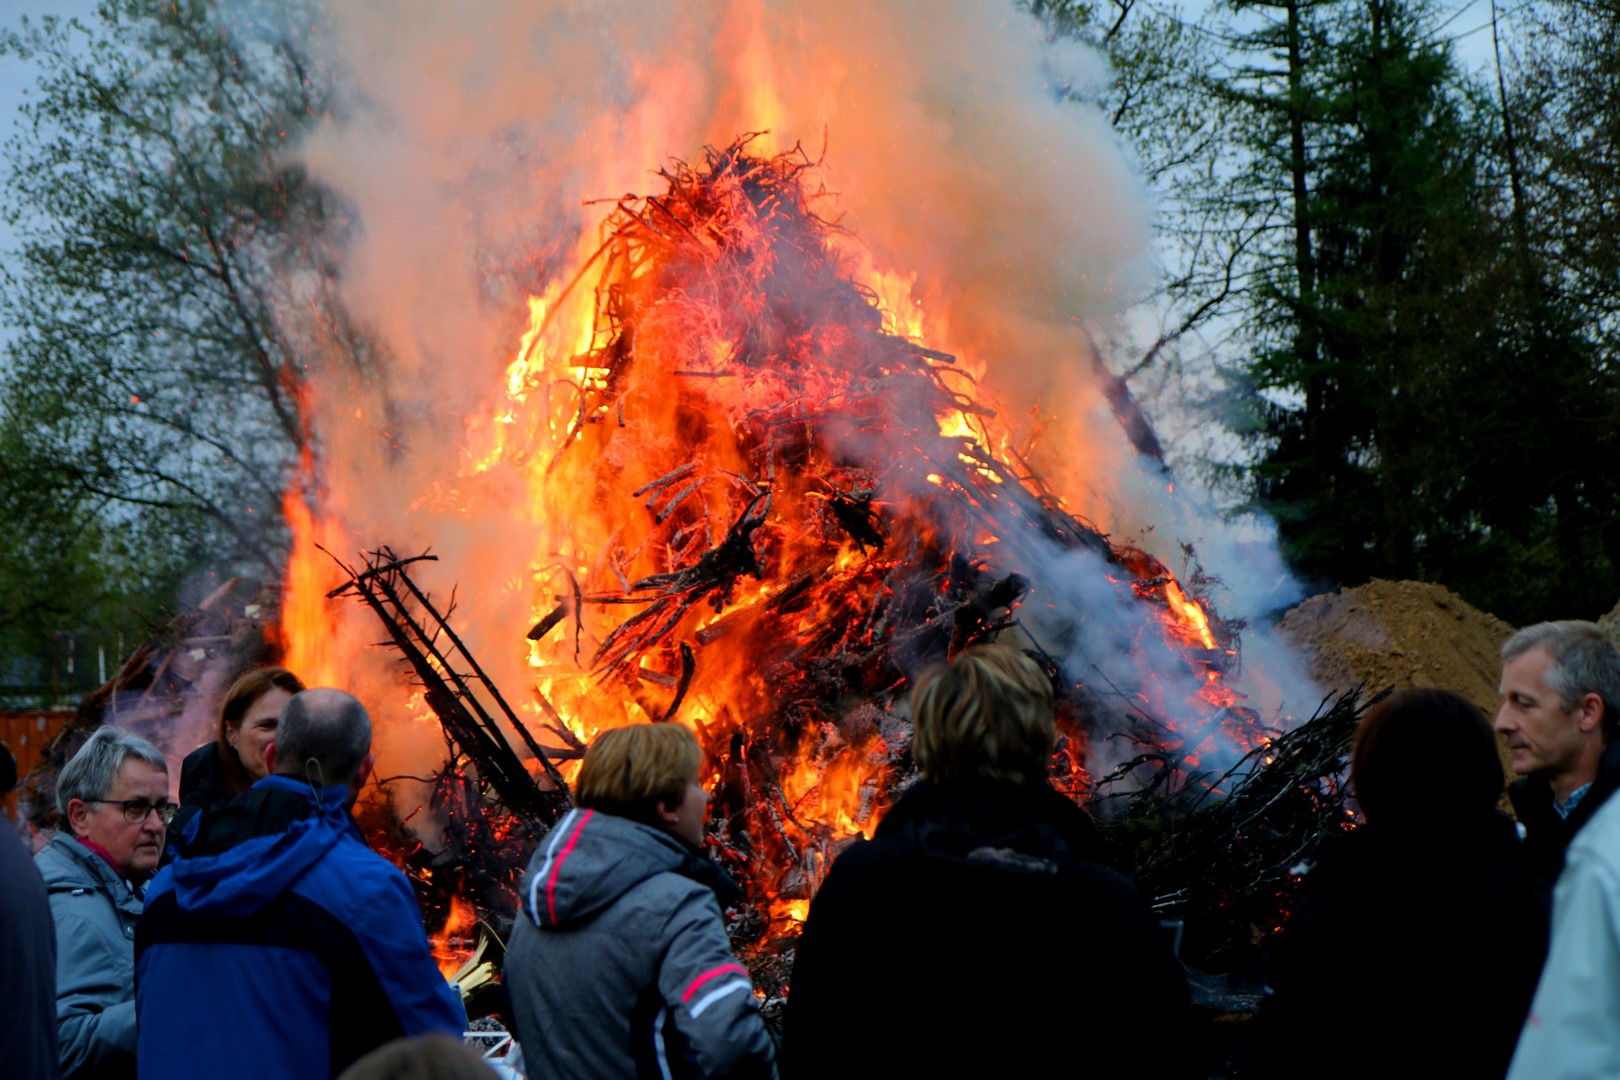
{"points": [[1220, 852], [386, 588], [688, 666]]}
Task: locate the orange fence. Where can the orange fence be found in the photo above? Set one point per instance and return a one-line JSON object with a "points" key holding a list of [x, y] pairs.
{"points": [[27, 734]]}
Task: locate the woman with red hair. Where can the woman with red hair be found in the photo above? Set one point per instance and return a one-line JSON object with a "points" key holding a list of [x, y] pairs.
{"points": [[218, 771]]}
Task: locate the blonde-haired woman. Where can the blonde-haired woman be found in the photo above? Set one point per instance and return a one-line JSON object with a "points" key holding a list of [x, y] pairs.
{"points": [[619, 963], [1009, 947]]}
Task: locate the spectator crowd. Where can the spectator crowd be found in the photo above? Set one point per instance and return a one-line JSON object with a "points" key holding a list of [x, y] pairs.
{"points": [[249, 931]]}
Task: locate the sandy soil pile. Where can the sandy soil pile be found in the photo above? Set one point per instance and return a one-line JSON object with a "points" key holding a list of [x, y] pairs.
{"points": [[1401, 633], [1611, 625]]}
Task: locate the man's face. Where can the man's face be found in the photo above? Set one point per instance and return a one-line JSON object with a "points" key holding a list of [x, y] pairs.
{"points": [[1543, 737], [135, 847]]}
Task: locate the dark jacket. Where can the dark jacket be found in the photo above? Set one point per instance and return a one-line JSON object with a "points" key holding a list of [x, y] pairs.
{"points": [[973, 935], [303, 947], [1408, 951], [27, 966], [1546, 835], [95, 911], [619, 965], [202, 785]]}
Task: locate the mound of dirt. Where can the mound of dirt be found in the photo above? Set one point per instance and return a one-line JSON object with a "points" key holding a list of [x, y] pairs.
{"points": [[1401, 634], [1611, 625]]}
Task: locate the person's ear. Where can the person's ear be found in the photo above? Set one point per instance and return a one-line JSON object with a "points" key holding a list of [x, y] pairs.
{"points": [[270, 758], [361, 775], [78, 812], [1591, 713], [669, 816]]}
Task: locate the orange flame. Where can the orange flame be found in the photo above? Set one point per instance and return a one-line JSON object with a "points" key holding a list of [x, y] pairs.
{"points": [[453, 946], [308, 631], [1192, 621]]}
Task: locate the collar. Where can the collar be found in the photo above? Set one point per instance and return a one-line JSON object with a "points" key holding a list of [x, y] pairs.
{"points": [[1567, 807], [106, 857], [99, 864]]}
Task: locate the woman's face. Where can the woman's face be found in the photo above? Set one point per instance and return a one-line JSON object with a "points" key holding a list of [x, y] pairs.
{"points": [[253, 736]]}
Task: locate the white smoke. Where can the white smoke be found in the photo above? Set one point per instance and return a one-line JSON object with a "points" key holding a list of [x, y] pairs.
{"points": [[469, 137]]}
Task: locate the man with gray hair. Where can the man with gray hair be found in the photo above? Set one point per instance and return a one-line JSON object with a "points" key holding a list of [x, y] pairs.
{"points": [[1560, 711], [114, 799], [1573, 1030], [276, 898]]}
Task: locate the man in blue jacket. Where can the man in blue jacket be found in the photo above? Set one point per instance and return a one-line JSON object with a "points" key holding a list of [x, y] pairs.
{"points": [[278, 944]]}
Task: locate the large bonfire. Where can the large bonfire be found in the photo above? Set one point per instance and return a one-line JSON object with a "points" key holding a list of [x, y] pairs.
{"points": [[763, 504]]}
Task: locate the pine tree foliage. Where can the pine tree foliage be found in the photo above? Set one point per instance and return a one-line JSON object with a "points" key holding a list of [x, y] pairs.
{"points": [[1413, 381], [1564, 60]]}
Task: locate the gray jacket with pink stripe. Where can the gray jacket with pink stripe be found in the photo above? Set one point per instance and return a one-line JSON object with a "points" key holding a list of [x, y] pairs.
{"points": [[620, 966]]}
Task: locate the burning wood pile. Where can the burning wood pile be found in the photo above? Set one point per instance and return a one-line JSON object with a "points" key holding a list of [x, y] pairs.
{"points": [[778, 507]]}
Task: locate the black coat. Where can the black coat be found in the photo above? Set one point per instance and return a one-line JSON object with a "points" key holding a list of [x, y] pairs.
{"points": [[973, 934], [28, 1048], [202, 787], [1410, 952], [1547, 835]]}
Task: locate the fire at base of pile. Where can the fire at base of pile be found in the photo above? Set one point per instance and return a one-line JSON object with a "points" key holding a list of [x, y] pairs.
{"points": [[1217, 855], [794, 509]]}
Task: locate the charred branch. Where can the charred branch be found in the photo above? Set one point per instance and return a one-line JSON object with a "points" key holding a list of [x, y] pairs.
{"points": [[414, 627]]}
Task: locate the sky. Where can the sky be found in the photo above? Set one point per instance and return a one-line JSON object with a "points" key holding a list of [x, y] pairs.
{"points": [[17, 77]]}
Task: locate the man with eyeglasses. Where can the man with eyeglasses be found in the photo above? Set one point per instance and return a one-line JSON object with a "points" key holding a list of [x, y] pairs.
{"points": [[114, 799]]}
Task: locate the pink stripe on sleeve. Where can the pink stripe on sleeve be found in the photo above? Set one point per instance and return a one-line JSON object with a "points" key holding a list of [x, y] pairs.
{"points": [[712, 974]]}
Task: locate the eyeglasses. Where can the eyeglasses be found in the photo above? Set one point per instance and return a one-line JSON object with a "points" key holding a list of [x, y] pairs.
{"points": [[136, 810]]}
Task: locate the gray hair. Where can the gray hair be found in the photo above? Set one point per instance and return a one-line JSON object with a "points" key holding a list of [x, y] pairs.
{"points": [[90, 773], [323, 737], [1584, 661]]}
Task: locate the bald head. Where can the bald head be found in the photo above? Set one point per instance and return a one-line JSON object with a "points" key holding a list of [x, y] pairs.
{"points": [[324, 737]]}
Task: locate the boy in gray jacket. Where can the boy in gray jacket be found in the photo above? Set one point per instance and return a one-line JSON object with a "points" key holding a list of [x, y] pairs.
{"points": [[619, 964]]}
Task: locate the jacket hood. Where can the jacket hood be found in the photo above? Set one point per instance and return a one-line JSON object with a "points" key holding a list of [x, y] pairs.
{"points": [[590, 859], [1018, 827], [256, 847]]}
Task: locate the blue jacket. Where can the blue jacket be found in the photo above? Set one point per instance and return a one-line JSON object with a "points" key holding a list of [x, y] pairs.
{"points": [[279, 945]]}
